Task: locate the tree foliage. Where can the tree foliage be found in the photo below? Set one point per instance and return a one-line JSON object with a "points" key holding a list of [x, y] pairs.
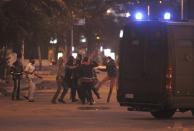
{"points": [[24, 18], [40, 19]]}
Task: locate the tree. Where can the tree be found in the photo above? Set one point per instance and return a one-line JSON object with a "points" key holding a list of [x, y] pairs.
{"points": [[29, 18]]}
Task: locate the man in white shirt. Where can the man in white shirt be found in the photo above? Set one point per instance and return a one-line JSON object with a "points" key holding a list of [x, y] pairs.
{"points": [[30, 73]]}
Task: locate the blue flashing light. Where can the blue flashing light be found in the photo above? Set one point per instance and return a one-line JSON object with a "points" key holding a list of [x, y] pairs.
{"points": [[167, 16], [138, 16]]}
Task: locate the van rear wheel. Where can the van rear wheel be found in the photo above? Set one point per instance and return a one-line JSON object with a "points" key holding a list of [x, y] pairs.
{"points": [[163, 114]]}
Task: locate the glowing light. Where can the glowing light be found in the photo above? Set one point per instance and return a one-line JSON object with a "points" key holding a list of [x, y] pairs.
{"points": [[107, 52], [74, 55], [109, 11], [101, 48], [127, 14], [167, 16], [60, 54], [97, 37], [83, 40], [138, 16], [73, 49], [121, 34], [112, 55], [53, 41]]}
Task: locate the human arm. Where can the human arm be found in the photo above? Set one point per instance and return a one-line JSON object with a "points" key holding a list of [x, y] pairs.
{"points": [[102, 68], [30, 70], [33, 73], [71, 66]]}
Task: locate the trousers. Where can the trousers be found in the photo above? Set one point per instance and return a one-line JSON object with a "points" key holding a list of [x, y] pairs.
{"points": [[112, 84], [31, 90], [60, 86], [16, 89]]}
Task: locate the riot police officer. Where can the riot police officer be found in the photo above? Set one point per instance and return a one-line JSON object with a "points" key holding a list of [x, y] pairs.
{"points": [[16, 71]]}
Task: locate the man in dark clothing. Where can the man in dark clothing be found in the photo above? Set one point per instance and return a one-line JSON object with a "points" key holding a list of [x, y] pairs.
{"points": [[111, 70], [69, 78], [73, 81], [86, 80], [16, 71], [76, 74]]}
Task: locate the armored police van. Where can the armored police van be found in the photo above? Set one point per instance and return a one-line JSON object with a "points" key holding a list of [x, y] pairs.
{"points": [[156, 67]]}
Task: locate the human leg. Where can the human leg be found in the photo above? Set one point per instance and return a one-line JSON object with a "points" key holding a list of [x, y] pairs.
{"points": [[73, 94], [18, 89], [14, 90], [83, 93], [65, 87], [96, 92], [32, 89], [57, 92], [112, 84], [89, 95], [61, 99], [102, 82], [73, 91]]}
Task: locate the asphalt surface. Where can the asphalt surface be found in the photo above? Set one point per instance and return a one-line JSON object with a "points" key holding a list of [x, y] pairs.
{"points": [[41, 115]]}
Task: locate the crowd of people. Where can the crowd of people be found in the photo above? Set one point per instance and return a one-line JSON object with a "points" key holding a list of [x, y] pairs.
{"points": [[80, 76], [77, 75]]}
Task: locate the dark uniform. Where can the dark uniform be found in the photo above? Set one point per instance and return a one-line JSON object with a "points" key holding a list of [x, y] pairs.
{"points": [[69, 78], [111, 70], [76, 74], [86, 81], [16, 72]]}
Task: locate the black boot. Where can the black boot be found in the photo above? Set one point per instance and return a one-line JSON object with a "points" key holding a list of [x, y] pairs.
{"points": [[61, 101], [62, 96]]}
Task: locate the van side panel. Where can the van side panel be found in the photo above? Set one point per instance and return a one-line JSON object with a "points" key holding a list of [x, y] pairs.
{"points": [[184, 60]]}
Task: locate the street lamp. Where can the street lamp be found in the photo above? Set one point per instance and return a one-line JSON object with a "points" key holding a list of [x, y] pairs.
{"points": [[83, 39], [109, 11], [53, 41], [98, 37]]}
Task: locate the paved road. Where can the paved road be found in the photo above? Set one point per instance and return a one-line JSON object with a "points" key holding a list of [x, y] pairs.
{"points": [[44, 116]]}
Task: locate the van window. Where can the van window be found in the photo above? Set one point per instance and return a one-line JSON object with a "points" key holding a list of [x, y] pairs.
{"points": [[184, 43]]}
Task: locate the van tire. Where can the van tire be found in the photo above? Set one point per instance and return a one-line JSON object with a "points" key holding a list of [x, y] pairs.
{"points": [[163, 114]]}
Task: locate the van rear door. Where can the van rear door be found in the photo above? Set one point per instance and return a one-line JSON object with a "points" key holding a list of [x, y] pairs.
{"points": [[184, 60], [143, 58]]}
